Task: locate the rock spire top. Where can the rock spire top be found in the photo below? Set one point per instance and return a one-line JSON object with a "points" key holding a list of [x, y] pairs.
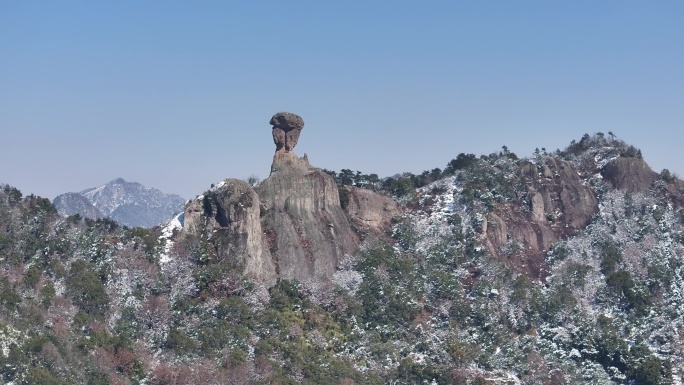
{"points": [[286, 129]]}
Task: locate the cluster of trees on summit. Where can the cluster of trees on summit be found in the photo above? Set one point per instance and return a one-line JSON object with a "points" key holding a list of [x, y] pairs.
{"points": [[405, 183]]}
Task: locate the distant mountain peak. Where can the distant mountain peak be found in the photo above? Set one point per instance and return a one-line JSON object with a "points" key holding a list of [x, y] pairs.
{"points": [[129, 203], [75, 203]]}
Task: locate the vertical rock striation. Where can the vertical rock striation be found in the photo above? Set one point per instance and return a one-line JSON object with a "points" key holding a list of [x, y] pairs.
{"points": [[307, 230], [290, 227], [229, 217]]}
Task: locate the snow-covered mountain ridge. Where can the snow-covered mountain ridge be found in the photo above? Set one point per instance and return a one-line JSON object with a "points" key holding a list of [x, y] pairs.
{"points": [[129, 203]]}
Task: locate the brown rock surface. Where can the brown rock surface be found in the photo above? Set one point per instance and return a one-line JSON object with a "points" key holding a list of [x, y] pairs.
{"points": [[559, 204], [629, 174], [307, 230], [369, 211], [286, 129], [578, 203], [193, 217], [292, 225]]}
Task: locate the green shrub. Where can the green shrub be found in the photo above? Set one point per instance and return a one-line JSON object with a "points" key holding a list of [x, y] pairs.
{"points": [[461, 162], [143, 237], [32, 276], [48, 293], [560, 298], [179, 341], [652, 371], [8, 295], [40, 376], [13, 195], [86, 290], [235, 311], [611, 257], [344, 197], [622, 284], [285, 295]]}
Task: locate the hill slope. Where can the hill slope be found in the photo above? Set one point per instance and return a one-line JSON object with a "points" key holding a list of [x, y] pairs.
{"points": [[500, 270]]}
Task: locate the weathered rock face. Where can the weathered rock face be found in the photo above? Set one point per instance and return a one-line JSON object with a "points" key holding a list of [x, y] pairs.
{"points": [[629, 174], [230, 217], [290, 227], [369, 211], [559, 204], [194, 218], [306, 228], [286, 129]]}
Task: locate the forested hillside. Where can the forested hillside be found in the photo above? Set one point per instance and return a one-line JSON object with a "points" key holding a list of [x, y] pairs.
{"points": [[562, 268]]}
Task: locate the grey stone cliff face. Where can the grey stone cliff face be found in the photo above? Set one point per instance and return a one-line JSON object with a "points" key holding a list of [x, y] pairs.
{"points": [[629, 174], [307, 230], [369, 211], [290, 227], [229, 216], [560, 204]]}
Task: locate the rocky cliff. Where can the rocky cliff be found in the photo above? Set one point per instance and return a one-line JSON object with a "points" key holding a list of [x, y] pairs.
{"points": [[629, 174], [307, 230], [229, 215], [291, 226], [556, 203], [370, 213]]}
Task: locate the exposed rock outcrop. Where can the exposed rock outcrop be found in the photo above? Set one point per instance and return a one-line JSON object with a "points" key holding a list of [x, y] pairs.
{"points": [[286, 129], [307, 230], [193, 217], [369, 211], [75, 203], [291, 226], [559, 204], [230, 218], [629, 174]]}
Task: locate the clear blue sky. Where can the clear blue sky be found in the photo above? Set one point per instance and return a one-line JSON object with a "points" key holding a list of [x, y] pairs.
{"points": [[177, 95]]}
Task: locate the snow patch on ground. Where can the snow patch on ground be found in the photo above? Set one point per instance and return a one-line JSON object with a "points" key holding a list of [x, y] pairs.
{"points": [[8, 337], [433, 220], [218, 185], [169, 229]]}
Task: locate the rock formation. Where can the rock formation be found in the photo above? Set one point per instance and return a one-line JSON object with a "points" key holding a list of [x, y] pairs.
{"points": [[75, 203], [307, 230], [229, 216], [629, 174], [369, 211], [286, 130], [290, 227], [559, 204]]}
